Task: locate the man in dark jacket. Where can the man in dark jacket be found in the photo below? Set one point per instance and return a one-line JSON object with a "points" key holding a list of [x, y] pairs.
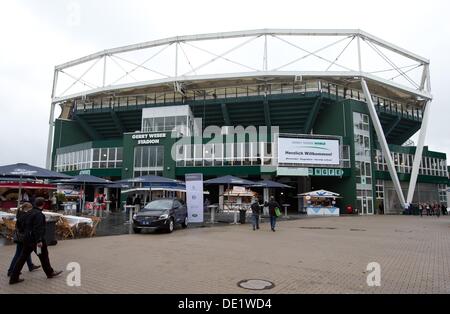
{"points": [[256, 211], [272, 204], [34, 225]]}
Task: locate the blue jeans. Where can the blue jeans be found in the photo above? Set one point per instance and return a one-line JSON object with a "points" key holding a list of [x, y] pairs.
{"points": [[255, 221], [273, 221], [19, 248]]}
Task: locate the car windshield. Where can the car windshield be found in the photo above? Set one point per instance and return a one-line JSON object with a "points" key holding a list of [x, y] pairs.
{"points": [[158, 205]]}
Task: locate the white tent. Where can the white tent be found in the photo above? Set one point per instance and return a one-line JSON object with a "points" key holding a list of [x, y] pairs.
{"points": [[321, 194]]}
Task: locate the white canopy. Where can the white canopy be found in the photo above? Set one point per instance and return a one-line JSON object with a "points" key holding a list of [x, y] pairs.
{"points": [[320, 194]]}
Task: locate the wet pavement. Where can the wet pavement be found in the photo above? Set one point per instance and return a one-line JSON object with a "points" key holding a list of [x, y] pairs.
{"points": [[116, 223]]}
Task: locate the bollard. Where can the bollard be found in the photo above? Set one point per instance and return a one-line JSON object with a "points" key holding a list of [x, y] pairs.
{"points": [[213, 213]]}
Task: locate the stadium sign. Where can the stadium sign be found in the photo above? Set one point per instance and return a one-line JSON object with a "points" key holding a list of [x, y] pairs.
{"points": [[308, 151]]}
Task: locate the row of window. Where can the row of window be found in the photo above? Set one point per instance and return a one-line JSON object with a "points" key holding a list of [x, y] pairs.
{"points": [[443, 193], [228, 154], [93, 158], [164, 124], [233, 154], [403, 164], [148, 158]]}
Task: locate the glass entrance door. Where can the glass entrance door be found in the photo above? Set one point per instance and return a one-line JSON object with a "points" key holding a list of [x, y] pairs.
{"points": [[365, 205]]}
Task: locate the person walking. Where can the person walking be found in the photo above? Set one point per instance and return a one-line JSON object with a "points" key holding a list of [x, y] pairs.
{"points": [[256, 212], [437, 210], [428, 208], [137, 202], [34, 240], [18, 239], [381, 208], [273, 205]]}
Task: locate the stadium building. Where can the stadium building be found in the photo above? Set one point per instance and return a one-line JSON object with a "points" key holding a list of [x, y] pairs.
{"points": [[315, 109]]}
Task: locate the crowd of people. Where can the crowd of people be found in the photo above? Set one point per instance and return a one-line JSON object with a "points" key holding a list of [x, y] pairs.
{"points": [[428, 208], [432, 209]]}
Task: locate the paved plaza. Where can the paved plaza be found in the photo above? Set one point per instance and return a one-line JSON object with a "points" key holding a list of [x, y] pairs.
{"points": [[320, 255]]}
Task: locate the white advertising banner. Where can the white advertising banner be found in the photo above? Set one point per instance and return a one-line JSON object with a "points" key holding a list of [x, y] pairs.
{"points": [[322, 211], [308, 151], [194, 197]]}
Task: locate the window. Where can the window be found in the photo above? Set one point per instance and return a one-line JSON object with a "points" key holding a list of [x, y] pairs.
{"points": [[346, 156], [220, 154], [380, 190], [94, 158], [165, 124], [148, 160]]}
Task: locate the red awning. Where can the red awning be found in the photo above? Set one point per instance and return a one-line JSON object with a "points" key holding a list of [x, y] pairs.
{"points": [[28, 186]]}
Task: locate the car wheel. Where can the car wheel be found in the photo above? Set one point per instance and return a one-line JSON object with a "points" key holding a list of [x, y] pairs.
{"points": [[170, 226], [185, 223], [137, 230]]}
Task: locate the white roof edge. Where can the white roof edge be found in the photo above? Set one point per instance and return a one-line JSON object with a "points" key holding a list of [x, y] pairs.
{"points": [[417, 93], [245, 33]]}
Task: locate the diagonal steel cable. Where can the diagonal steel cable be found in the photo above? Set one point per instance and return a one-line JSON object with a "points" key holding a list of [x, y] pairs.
{"points": [[120, 66], [391, 63], [222, 56], [417, 66], [337, 58], [309, 53], [85, 83], [391, 69], [187, 59], [81, 77], [142, 65], [133, 63]]}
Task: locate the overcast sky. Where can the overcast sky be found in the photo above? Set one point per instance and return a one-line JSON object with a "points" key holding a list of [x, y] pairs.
{"points": [[37, 35]]}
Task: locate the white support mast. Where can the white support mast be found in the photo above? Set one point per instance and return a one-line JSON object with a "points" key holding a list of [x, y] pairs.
{"points": [[51, 124], [426, 83], [382, 140]]}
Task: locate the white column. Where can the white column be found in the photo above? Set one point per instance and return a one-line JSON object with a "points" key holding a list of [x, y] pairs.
{"points": [[51, 124], [106, 192], [383, 143], [419, 151], [51, 130], [221, 191], [266, 199]]}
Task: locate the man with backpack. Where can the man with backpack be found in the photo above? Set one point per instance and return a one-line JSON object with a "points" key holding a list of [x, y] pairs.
{"points": [[274, 212], [256, 212]]}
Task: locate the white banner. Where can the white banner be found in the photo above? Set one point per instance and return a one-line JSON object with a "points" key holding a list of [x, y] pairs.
{"points": [[194, 197], [308, 151], [322, 211]]}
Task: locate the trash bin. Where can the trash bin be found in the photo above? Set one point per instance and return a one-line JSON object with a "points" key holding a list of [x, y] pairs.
{"points": [[50, 233], [242, 214]]}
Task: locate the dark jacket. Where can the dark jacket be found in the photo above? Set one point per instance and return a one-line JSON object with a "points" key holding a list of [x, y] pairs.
{"points": [[34, 226], [20, 220], [129, 200], [256, 208], [272, 205]]}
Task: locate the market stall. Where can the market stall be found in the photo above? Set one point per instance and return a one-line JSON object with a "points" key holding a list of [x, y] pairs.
{"points": [[321, 203], [238, 198], [9, 193]]}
